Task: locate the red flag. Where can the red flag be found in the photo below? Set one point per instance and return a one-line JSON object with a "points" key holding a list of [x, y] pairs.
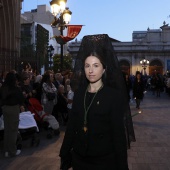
{"points": [[72, 32]]}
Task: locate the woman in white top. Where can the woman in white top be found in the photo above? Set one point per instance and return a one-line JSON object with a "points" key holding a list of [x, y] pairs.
{"points": [[49, 92]]}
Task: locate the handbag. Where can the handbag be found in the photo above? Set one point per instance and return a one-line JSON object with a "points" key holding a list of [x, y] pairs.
{"points": [[50, 96]]}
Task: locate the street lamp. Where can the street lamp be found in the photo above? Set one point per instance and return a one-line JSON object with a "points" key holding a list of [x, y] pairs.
{"points": [[144, 64], [62, 17]]}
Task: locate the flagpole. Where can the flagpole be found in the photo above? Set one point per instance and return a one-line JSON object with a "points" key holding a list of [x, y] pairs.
{"points": [[62, 16], [61, 45]]}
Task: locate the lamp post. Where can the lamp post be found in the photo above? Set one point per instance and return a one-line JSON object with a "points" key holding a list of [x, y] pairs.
{"points": [[62, 17], [144, 63]]}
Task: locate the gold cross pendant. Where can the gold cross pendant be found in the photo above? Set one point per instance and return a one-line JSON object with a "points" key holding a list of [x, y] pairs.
{"points": [[85, 129]]}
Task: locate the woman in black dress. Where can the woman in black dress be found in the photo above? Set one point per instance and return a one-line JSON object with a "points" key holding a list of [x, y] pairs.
{"points": [[138, 89], [95, 137]]}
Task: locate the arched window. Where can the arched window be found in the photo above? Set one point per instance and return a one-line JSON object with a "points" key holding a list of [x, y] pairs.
{"points": [[155, 63], [155, 66]]}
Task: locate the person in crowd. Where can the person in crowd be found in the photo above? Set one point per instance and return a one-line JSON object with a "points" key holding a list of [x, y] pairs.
{"points": [[58, 79], [128, 84], [95, 137], [144, 79], [11, 98], [158, 85], [49, 92], [61, 107], [2, 78], [26, 88], [65, 75], [18, 79], [153, 84], [164, 88], [148, 84], [168, 84], [138, 89], [70, 96], [67, 85], [37, 89]]}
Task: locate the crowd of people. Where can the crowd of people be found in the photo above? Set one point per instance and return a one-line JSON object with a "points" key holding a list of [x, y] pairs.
{"points": [[48, 96], [138, 84], [93, 103]]}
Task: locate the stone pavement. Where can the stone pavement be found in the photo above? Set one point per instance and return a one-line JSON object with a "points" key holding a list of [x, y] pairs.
{"points": [[151, 151]]}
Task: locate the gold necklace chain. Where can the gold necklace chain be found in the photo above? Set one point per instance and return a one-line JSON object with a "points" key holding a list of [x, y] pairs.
{"points": [[86, 109]]}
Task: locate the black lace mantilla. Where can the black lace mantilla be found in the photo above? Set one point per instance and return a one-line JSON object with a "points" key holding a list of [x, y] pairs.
{"points": [[113, 77]]}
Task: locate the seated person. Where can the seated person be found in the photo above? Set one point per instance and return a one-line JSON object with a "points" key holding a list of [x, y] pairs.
{"points": [[38, 110], [26, 119]]}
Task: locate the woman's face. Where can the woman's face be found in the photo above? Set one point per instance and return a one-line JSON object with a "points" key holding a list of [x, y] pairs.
{"points": [[93, 69], [138, 76], [27, 81], [61, 89], [51, 77]]}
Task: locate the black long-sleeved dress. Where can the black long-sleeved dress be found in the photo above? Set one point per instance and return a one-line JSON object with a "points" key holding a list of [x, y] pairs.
{"points": [[138, 89], [103, 146]]}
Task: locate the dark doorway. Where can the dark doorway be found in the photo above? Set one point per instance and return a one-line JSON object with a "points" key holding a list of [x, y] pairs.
{"points": [[155, 67]]}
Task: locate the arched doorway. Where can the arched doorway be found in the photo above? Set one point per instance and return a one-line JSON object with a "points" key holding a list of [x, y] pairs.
{"points": [[155, 67], [125, 66]]}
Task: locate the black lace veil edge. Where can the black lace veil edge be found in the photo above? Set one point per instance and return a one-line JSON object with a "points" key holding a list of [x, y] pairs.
{"points": [[113, 77]]}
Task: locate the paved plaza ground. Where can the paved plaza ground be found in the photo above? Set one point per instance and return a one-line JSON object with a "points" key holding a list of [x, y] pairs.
{"points": [[151, 151]]}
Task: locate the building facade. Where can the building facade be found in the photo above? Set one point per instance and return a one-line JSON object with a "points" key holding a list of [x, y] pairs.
{"points": [[42, 15], [35, 43], [153, 45], [10, 11]]}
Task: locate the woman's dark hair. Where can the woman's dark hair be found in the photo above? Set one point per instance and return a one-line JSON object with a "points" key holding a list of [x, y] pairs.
{"points": [[138, 72], [46, 77], [10, 80], [18, 77], [97, 55]]}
